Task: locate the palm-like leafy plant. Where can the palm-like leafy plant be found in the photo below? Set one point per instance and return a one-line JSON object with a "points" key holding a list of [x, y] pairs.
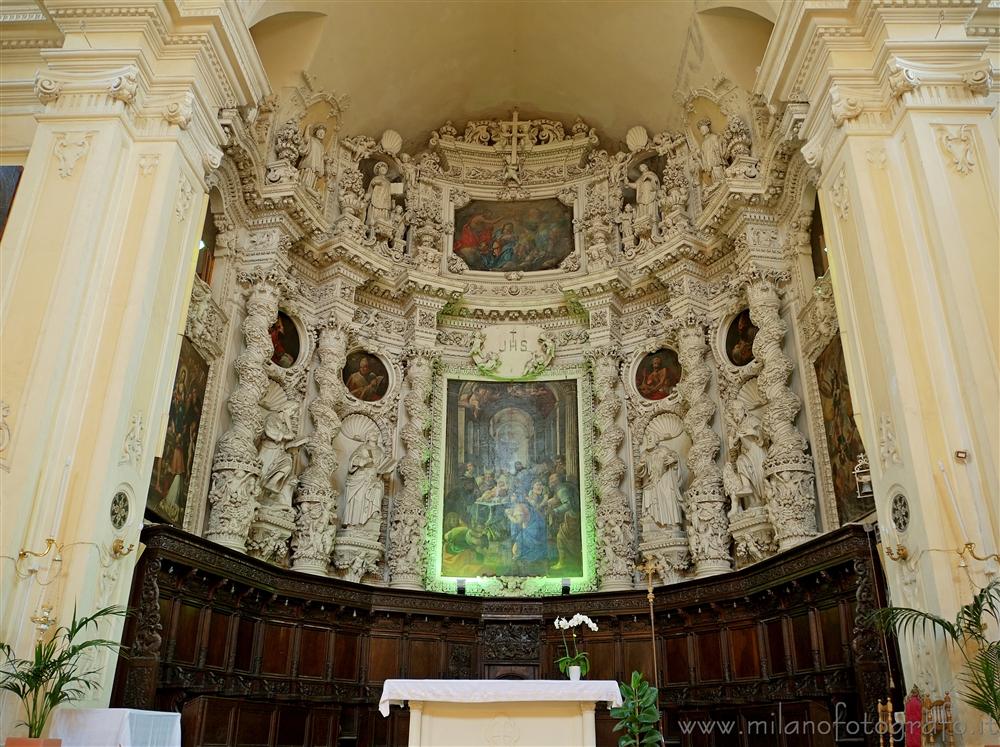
{"points": [[639, 714], [57, 672], [981, 679]]}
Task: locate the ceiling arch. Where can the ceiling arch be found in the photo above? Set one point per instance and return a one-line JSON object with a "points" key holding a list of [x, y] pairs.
{"points": [[412, 66]]}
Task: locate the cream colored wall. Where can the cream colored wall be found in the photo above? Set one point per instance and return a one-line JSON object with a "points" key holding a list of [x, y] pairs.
{"points": [[95, 271], [909, 189]]}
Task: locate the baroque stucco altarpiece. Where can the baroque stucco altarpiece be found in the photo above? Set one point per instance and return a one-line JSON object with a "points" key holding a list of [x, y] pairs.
{"points": [[665, 251]]}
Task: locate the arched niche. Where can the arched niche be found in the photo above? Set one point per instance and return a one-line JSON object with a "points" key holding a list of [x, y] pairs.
{"points": [[736, 36], [287, 42]]}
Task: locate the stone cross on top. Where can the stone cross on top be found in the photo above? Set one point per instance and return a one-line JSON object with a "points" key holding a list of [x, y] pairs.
{"points": [[515, 131]]}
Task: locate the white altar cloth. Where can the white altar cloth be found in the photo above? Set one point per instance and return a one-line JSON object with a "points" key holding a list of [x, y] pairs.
{"points": [[474, 713], [497, 691], [116, 727]]}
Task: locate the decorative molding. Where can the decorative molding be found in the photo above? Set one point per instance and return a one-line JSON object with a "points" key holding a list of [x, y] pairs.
{"points": [[132, 444], [844, 106], [958, 144], [887, 449], [185, 196], [70, 147], [148, 163], [840, 195]]}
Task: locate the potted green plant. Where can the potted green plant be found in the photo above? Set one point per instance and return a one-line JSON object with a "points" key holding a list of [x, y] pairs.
{"points": [[55, 674], [980, 680], [577, 664], [639, 713]]}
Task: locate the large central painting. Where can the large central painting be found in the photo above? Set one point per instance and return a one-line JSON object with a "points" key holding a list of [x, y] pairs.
{"points": [[523, 236], [511, 499]]}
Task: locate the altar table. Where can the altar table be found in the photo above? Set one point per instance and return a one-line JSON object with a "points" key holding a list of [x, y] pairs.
{"points": [[116, 727], [528, 713]]}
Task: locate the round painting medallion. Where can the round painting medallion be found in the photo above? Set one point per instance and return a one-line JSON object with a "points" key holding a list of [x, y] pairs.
{"points": [[120, 508], [285, 339], [900, 512], [365, 376], [739, 339], [657, 374]]}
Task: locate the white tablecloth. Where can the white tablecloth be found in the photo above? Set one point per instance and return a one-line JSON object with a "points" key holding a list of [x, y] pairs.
{"points": [[116, 727], [497, 691]]}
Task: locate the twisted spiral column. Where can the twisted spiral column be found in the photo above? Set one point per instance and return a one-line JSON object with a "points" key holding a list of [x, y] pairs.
{"points": [[616, 534], [233, 495], [708, 533], [405, 557], [316, 498], [790, 486]]}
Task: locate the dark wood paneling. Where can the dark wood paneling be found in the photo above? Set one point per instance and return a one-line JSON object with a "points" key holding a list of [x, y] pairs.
{"points": [[744, 656], [423, 660], [314, 652], [254, 655]]}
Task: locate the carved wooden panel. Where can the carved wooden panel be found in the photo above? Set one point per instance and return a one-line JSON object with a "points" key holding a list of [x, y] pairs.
{"points": [[252, 655]]}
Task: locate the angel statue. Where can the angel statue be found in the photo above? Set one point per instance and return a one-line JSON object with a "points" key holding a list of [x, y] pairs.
{"points": [[744, 482], [363, 488], [542, 357], [486, 363], [660, 473]]}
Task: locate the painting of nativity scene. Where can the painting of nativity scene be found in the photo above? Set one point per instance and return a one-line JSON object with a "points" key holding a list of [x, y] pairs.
{"points": [[511, 501]]}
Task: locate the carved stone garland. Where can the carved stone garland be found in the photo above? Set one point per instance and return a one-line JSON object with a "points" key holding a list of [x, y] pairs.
{"points": [[616, 557], [406, 529], [790, 486], [315, 499], [708, 527], [237, 466]]}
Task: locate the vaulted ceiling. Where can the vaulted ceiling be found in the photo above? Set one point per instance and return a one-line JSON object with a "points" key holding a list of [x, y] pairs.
{"points": [[410, 66]]}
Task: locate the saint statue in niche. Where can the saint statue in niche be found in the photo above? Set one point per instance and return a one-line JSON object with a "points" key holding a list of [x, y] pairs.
{"points": [[379, 196], [646, 188], [660, 473], [363, 488], [285, 339], [710, 159], [365, 376], [658, 374], [311, 166], [739, 339], [744, 481]]}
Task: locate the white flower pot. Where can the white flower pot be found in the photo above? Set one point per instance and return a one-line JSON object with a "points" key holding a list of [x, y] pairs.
{"points": [[574, 673]]}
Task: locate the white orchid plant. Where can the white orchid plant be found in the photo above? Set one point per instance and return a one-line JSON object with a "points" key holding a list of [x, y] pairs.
{"points": [[577, 658]]}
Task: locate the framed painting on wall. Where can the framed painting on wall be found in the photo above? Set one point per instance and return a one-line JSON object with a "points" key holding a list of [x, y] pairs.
{"points": [[518, 236], [511, 511], [843, 440], [168, 486]]}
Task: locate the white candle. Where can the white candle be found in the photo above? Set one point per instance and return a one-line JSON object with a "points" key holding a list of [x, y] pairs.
{"points": [[60, 501], [954, 505]]}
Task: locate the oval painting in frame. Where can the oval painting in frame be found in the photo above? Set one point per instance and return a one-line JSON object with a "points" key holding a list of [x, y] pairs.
{"points": [[739, 339], [366, 376], [657, 374]]}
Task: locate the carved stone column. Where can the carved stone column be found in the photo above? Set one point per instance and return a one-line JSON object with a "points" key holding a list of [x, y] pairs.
{"points": [[407, 524], [237, 467], [316, 498], [791, 482], [615, 530], [708, 526]]}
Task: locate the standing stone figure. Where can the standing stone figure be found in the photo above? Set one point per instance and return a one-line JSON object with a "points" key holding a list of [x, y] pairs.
{"points": [[379, 196], [661, 494], [363, 488], [646, 188], [744, 483], [712, 163], [277, 478], [311, 163]]}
